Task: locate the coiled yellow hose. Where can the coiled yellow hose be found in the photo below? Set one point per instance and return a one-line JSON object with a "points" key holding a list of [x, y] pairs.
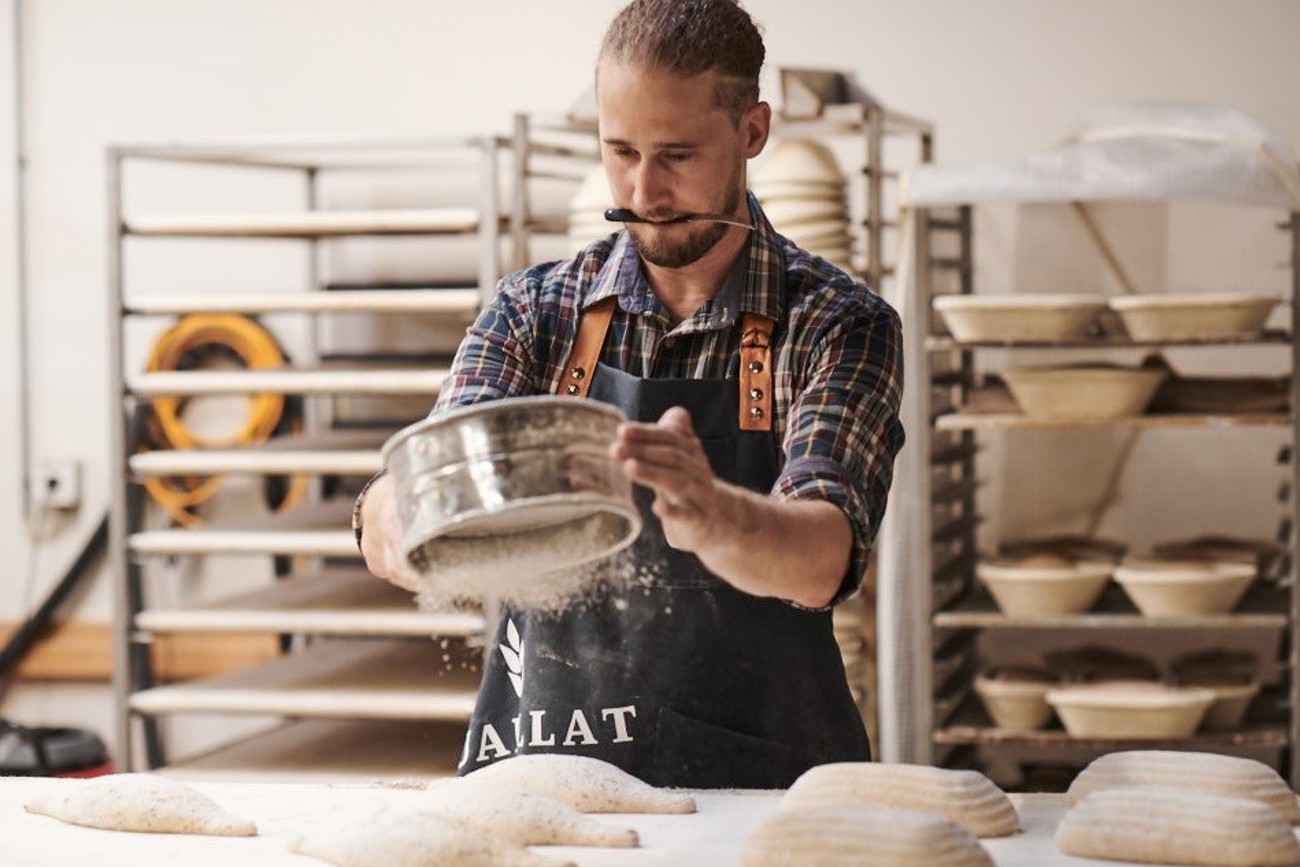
{"points": [[255, 348]]}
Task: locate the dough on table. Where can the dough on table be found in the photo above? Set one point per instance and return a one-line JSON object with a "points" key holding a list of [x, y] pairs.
{"points": [[527, 817], [1205, 772], [862, 837], [1162, 825], [585, 784], [966, 797], [139, 802], [416, 837]]}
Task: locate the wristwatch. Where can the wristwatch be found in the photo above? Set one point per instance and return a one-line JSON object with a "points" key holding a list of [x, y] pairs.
{"points": [[357, 526]]}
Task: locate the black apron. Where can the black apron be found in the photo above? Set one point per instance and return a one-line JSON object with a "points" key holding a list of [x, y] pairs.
{"points": [[675, 676]]}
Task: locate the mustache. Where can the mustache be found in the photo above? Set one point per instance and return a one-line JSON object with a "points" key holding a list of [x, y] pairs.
{"points": [[627, 215]]}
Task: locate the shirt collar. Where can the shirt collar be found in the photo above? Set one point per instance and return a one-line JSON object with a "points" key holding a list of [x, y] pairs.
{"points": [[753, 285]]}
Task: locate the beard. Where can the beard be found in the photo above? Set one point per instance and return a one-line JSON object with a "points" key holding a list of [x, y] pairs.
{"points": [[698, 240]]}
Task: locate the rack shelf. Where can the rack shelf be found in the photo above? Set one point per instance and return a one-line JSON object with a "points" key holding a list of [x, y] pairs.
{"points": [[214, 461], [943, 343], [1261, 736], [307, 225], [306, 543], [976, 610], [963, 421], [401, 679], [342, 453], [300, 381], [328, 603], [457, 303]]}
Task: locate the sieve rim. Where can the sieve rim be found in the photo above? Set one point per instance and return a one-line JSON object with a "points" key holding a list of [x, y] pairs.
{"points": [[496, 406]]}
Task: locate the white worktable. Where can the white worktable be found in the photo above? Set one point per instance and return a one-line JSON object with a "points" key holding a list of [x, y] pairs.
{"points": [[711, 837]]}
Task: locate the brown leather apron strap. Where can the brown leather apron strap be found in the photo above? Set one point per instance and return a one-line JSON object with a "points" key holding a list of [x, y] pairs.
{"points": [[755, 362], [756, 372], [575, 379]]}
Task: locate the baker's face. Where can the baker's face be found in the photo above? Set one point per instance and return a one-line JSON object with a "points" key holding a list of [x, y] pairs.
{"points": [[669, 150]]}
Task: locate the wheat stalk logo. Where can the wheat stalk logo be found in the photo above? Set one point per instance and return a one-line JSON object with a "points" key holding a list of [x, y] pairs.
{"points": [[512, 651]]}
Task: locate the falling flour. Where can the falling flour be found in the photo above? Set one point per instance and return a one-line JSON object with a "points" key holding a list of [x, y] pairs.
{"points": [[544, 568]]}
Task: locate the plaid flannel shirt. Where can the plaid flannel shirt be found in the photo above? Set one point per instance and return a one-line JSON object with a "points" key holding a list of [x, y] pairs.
{"points": [[837, 358]]}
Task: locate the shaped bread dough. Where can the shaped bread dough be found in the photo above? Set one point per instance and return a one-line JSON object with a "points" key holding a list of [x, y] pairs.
{"points": [[140, 802], [1162, 825], [529, 818], [585, 784], [861, 837], [414, 837], [967, 797], [1203, 772]]}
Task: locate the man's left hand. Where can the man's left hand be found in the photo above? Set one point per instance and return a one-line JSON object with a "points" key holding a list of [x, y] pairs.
{"points": [[798, 550], [669, 458]]}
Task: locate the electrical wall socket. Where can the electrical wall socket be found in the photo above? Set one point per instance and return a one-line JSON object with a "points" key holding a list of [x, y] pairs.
{"points": [[57, 484]]}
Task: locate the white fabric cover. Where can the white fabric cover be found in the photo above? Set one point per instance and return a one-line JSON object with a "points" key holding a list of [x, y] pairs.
{"points": [[1116, 151]]}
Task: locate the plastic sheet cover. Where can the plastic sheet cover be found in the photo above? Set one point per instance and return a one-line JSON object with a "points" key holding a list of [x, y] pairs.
{"points": [[1117, 151]]}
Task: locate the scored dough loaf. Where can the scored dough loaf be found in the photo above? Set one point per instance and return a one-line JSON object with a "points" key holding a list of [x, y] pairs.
{"points": [[585, 784], [140, 802], [530, 818], [861, 837], [966, 797], [1162, 825], [415, 837], [1204, 772]]}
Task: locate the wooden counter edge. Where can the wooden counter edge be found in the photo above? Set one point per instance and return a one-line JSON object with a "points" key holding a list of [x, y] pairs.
{"points": [[82, 651]]}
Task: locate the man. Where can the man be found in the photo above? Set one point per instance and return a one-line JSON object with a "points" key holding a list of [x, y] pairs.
{"points": [[762, 484]]}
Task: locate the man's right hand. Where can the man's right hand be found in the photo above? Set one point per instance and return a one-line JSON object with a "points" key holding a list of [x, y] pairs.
{"points": [[381, 536]]}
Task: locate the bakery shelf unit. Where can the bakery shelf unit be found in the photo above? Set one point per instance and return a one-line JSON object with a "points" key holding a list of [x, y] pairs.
{"points": [[358, 680], [938, 613], [551, 156]]}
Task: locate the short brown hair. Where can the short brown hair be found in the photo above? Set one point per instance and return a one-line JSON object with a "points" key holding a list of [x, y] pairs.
{"points": [[691, 37]]}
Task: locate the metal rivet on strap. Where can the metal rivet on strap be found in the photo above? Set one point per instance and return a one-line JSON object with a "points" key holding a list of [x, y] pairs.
{"points": [[572, 389], [577, 373], [755, 412], [756, 367], [756, 394]]}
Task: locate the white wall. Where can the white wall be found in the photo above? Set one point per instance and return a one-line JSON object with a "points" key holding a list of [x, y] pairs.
{"points": [[10, 424], [997, 77]]}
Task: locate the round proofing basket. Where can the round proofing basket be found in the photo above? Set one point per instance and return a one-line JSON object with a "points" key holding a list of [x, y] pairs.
{"points": [[799, 160], [1083, 392], [786, 215], [1130, 710], [801, 191], [1041, 591], [1019, 705], [1192, 317], [518, 471], [1180, 588], [975, 318]]}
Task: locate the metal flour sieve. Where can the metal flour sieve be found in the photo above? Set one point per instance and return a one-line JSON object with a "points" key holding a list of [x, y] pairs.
{"points": [[479, 484]]}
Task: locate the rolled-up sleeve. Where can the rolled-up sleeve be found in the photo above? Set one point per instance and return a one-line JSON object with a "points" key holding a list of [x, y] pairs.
{"points": [[495, 359], [843, 430]]}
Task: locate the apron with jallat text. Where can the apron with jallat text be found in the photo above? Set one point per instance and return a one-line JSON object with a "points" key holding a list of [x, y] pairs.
{"points": [[673, 674]]}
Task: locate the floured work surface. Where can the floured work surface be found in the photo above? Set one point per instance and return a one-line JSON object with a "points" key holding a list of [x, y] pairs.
{"points": [[284, 811], [711, 837]]}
